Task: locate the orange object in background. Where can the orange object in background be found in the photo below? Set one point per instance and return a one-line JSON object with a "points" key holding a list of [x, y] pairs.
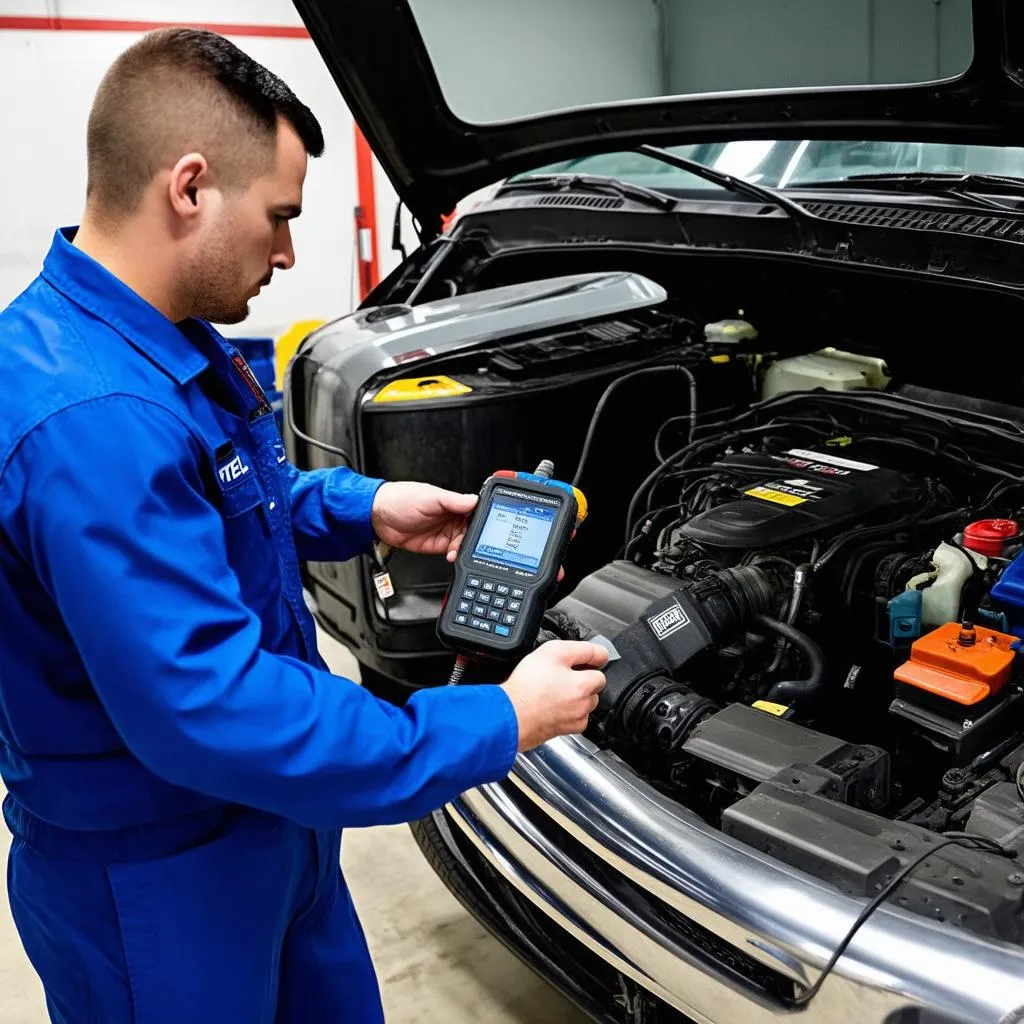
{"points": [[365, 217], [965, 664]]}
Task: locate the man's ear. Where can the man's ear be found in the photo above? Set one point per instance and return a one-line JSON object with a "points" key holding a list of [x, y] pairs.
{"points": [[188, 177]]}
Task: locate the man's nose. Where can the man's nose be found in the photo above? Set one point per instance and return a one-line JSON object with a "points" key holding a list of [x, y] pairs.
{"points": [[283, 256]]}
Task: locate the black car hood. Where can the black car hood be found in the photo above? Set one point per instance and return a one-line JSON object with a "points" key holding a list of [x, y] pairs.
{"points": [[375, 52]]}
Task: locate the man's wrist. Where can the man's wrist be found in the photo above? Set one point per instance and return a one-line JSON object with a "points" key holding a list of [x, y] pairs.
{"points": [[351, 496]]}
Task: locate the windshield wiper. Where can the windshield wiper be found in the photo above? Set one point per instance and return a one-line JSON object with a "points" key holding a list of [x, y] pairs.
{"points": [[592, 183], [935, 183], [802, 219]]}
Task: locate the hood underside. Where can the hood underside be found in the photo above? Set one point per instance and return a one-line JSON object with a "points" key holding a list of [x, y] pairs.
{"points": [[455, 96]]}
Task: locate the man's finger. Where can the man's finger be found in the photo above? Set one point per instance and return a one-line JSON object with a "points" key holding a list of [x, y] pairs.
{"points": [[454, 546], [591, 681], [579, 654]]}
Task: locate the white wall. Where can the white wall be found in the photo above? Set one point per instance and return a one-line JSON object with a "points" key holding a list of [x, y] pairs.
{"points": [[42, 173]]}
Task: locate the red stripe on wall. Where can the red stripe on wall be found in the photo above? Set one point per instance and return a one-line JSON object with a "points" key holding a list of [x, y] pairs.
{"points": [[15, 22], [366, 214]]}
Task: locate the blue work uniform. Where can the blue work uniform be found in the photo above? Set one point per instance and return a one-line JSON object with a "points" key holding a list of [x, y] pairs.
{"points": [[179, 762]]}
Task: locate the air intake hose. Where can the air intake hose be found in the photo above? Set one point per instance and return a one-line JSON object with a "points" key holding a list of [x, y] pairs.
{"points": [[670, 633]]}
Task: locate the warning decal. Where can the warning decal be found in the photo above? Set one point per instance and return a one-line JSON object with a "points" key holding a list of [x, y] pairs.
{"points": [[789, 492], [779, 497]]}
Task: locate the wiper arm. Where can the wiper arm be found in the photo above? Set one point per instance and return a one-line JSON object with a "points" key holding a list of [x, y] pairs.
{"points": [[802, 218], [932, 183], [592, 183], [997, 182]]}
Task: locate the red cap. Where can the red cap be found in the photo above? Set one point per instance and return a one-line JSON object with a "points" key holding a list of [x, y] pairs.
{"points": [[990, 536]]}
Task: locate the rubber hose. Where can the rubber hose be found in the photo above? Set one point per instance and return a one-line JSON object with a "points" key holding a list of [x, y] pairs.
{"points": [[789, 691]]}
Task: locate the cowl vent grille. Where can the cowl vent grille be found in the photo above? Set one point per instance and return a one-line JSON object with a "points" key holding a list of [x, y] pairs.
{"points": [[983, 224], [574, 199]]}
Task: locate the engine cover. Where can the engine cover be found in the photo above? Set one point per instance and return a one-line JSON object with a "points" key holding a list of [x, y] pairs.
{"points": [[793, 493]]}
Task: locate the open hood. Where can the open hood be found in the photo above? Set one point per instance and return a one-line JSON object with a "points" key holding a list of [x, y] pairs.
{"points": [[456, 94]]}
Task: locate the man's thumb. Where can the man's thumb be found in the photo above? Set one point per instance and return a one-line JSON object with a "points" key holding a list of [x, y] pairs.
{"points": [[461, 504]]}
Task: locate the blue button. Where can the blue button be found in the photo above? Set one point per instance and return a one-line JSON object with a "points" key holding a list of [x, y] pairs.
{"points": [[502, 630]]}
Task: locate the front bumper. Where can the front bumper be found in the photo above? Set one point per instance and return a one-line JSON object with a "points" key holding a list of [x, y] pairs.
{"points": [[710, 927]]}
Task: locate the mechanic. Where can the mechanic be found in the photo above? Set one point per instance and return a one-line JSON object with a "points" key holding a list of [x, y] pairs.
{"points": [[179, 762]]}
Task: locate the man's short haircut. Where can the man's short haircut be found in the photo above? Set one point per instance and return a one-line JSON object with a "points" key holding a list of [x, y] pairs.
{"points": [[184, 90]]}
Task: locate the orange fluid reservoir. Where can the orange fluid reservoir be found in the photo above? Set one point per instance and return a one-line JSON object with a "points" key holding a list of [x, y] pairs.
{"points": [[962, 663]]}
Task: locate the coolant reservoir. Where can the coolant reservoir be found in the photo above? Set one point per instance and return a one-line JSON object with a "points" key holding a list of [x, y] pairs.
{"points": [[829, 368], [940, 602]]}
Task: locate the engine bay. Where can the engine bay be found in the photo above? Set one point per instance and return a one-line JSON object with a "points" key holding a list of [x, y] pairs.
{"points": [[808, 560], [814, 622]]}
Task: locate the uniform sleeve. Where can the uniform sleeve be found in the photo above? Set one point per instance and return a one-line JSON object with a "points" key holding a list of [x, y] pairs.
{"points": [[331, 513], [113, 517]]}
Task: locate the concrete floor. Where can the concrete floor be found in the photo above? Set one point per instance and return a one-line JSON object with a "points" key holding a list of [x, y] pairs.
{"points": [[434, 961]]}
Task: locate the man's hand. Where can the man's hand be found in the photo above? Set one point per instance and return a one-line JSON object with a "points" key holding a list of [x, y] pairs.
{"points": [[421, 517], [554, 690]]}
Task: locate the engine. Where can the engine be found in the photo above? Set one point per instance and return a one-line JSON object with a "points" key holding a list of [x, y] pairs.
{"points": [[822, 590]]}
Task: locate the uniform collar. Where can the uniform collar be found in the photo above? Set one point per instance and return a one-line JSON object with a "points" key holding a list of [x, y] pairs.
{"points": [[91, 286]]}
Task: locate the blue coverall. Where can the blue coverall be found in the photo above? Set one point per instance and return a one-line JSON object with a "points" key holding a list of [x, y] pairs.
{"points": [[179, 762]]}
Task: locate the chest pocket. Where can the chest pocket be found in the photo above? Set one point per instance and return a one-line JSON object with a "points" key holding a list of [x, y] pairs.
{"points": [[249, 541]]}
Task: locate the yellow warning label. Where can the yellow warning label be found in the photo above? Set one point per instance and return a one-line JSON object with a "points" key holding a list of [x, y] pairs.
{"points": [[770, 708], [721, 358], [768, 494], [413, 389]]}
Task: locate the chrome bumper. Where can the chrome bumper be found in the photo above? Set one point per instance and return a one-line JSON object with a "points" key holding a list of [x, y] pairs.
{"points": [[641, 852]]}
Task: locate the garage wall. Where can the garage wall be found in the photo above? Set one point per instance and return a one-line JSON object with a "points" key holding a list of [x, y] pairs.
{"points": [[42, 175]]}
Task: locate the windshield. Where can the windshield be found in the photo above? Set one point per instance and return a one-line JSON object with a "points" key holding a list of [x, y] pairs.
{"points": [[796, 163], [500, 60]]}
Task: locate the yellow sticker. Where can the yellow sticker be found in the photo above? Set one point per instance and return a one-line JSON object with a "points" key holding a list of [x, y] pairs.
{"points": [[415, 389], [767, 494], [770, 708], [721, 358]]}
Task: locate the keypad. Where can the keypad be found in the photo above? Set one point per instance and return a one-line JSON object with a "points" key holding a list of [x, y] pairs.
{"points": [[489, 606]]}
